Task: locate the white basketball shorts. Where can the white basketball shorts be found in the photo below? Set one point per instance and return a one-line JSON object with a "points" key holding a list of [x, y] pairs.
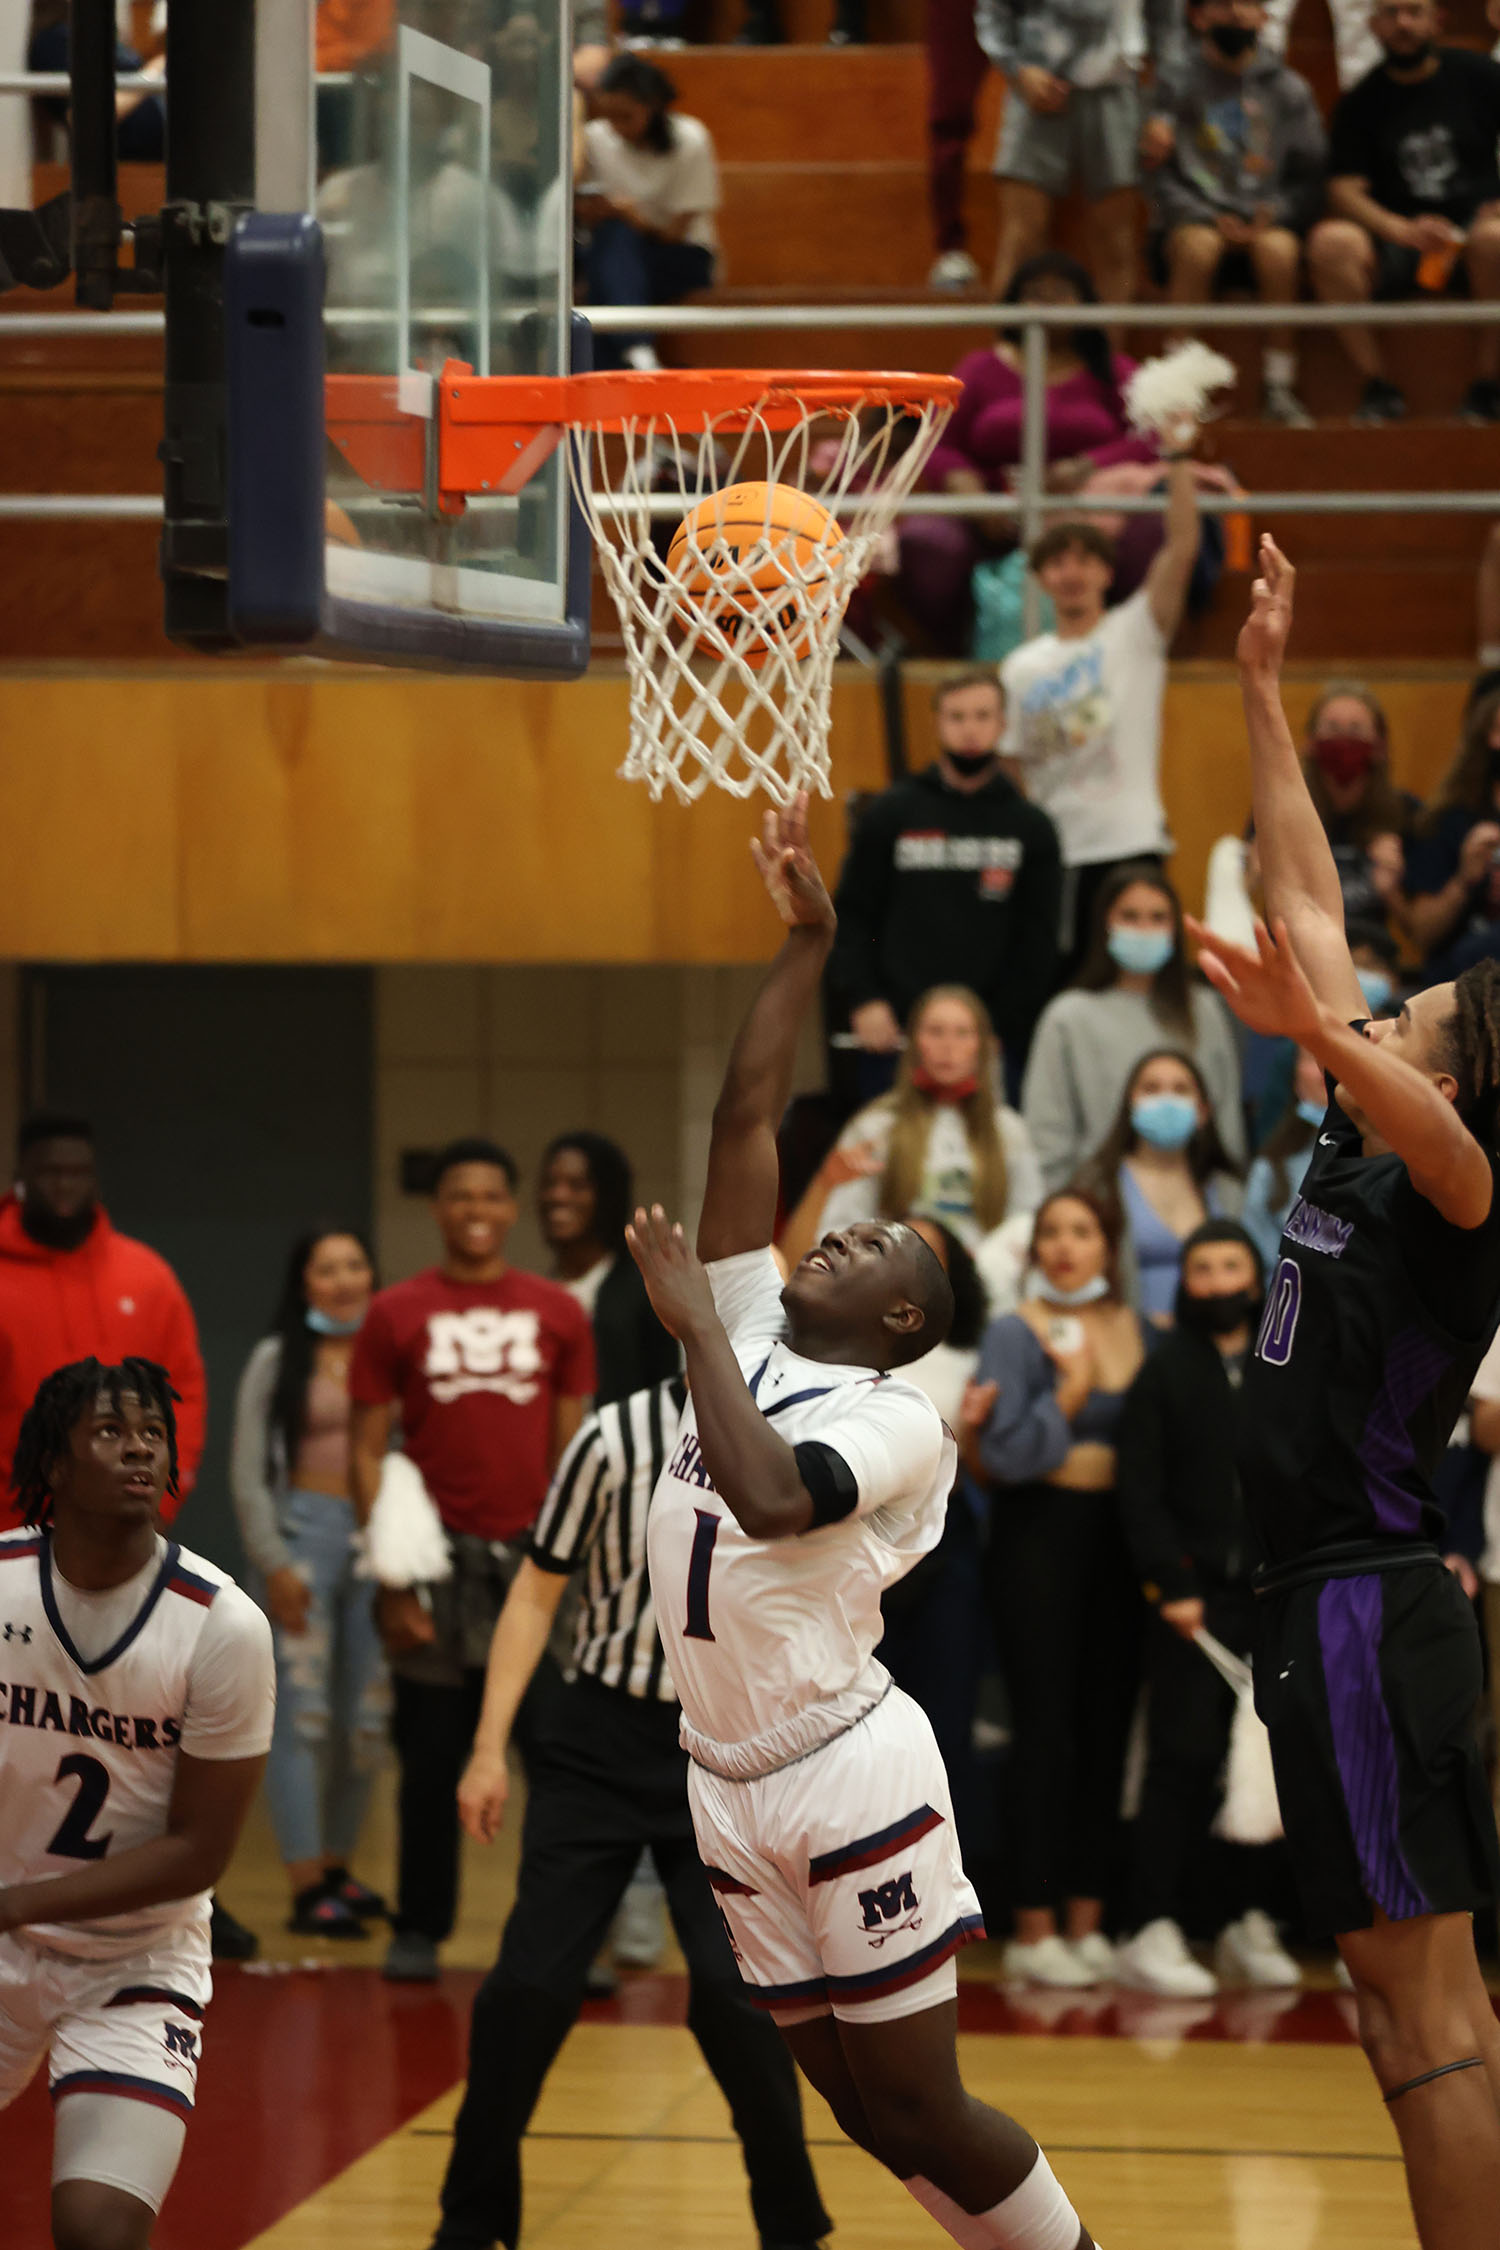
{"points": [[839, 1877], [130, 2029]]}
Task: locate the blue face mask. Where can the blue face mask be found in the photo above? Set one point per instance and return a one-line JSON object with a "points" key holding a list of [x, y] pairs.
{"points": [[1165, 1120], [1066, 1300], [1141, 952], [1376, 987], [324, 1324], [1311, 1113]]}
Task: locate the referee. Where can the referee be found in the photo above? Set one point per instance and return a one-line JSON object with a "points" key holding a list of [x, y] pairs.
{"points": [[606, 1777]]}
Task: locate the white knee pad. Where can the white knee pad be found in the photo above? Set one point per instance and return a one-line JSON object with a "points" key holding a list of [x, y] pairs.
{"points": [[1035, 2216], [134, 2146]]}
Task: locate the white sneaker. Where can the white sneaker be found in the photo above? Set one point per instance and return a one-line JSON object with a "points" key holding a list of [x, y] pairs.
{"points": [[1051, 1961], [954, 270], [1250, 1952], [1157, 1960], [1096, 1953], [640, 1931]]}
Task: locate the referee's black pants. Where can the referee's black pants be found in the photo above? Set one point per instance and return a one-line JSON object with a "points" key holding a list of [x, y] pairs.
{"points": [[606, 1776]]}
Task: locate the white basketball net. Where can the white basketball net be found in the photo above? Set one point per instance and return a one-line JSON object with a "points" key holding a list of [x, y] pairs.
{"points": [[701, 710]]}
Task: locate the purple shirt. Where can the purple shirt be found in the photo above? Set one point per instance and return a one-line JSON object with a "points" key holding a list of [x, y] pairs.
{"points": [[985, 430]]}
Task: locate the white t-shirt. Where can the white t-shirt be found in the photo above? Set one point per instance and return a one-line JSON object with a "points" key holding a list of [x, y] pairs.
{"points": [[663, 186], [770, 1642], [1486, 1386], [98, 1693], [947, 1189], [1085, 723]]}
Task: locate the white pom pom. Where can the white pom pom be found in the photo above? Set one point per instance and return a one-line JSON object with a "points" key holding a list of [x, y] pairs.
{"points": [[1164, 393], [405, 1543]]}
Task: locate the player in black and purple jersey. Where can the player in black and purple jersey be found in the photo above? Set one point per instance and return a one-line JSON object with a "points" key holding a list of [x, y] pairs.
{"points": [[1384, 1300]]}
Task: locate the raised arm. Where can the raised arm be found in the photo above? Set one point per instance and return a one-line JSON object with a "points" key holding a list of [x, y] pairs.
{"points": [[1170, 575], [739, 1203], [1298, 875]]}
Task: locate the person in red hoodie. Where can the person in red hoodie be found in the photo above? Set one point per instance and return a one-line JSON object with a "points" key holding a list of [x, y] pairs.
{"points": [[70, 1286]]}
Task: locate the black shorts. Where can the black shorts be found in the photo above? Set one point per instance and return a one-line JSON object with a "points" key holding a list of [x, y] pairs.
{"points": [[1369, 1687], [1396, 275]]}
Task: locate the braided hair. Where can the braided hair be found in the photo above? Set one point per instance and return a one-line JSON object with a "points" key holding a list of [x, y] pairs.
{"points": [[1473, 1034], [53, 1414]]}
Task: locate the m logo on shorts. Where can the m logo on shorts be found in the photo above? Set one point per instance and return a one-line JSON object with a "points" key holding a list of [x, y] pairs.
{"points": [[889, 1907], [181, 2040]]}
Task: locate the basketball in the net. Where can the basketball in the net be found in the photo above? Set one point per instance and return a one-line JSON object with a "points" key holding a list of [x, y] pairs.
{"points": [[756, 559]]}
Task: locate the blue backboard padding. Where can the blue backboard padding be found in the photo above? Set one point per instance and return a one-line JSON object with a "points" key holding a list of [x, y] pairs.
{"points": [[273, 317], [277, 445]]}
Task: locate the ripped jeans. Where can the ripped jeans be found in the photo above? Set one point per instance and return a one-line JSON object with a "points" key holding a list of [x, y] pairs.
{"points": [[332, 1693]]}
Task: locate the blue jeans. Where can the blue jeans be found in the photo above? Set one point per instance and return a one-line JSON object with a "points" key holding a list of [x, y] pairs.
{"points": [[626, 267], [332, 1694]]}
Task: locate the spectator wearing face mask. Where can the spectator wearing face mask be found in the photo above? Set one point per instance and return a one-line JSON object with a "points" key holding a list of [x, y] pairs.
{"points": [[1184, 1517], [1165, 1170], [1346, 757], [1133, 995], [1275, 1177]]}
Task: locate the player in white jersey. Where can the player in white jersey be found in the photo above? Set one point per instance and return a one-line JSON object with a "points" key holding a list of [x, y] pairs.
{"points": [[136, 1697], [806, 1478]]}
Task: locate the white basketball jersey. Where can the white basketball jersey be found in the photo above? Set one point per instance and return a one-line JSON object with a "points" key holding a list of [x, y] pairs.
{"points": [[88, 1749], [771, 1642]]}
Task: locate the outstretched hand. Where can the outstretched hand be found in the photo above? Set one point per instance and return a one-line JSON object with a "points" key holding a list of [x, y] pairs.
{"points": [[1263, 636], [789, 871], [1267, 988], [675, 1278]]}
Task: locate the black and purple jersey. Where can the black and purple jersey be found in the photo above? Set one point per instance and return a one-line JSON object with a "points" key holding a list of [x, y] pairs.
{"points": [[1377, 1315]]}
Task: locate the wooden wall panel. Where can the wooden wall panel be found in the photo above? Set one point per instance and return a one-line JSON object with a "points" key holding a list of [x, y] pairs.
{"points": [[312, 814]]}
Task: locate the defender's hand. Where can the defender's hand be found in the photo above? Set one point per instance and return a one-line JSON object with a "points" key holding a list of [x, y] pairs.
{"points": [[789, 871], [674, 1275], [1263, 636], [1266, 989]]}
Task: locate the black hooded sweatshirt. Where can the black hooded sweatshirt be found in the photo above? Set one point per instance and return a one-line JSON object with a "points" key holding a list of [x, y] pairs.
{"points": [[944, 887]]}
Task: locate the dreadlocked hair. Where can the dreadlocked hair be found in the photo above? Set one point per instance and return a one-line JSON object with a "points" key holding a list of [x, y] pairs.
{"points": [[1473, 1032], [53, 1414]]}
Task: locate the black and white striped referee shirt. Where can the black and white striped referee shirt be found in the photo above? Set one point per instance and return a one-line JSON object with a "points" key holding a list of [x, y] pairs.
{"points": [[594, 1519]]}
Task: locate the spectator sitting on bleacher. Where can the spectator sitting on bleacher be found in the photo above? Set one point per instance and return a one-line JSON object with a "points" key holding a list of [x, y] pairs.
{"points": [[141, 118], [1075, 119], [1415, 195], [648, 198], [1243, 183], [981, 446]]}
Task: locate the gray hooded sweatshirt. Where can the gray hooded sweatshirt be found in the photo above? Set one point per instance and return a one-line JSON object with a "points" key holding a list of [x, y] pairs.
{"points": [[1244, 139]]}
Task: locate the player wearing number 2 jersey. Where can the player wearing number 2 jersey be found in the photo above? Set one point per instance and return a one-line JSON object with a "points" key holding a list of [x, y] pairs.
{"points": [[806, 1477], [136, 1696], [1382, 1304]]}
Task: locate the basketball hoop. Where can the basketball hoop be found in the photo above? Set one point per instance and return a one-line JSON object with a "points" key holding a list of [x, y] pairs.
{"points": [[731, 645], [731, 619]]}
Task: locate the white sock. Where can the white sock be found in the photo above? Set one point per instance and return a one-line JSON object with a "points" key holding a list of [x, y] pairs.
{"points": [[1035, 2216], [1279, 365]]}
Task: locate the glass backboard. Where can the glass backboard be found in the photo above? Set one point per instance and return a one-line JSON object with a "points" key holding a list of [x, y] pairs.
{"points": [[443, 190]]}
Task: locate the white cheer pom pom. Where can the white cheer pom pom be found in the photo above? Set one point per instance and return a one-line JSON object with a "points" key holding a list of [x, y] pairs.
{"points": [[405, 1543], [1165, 393]]}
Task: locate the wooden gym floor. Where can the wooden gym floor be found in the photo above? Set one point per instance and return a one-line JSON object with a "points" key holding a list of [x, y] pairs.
{"points": [[326, 2098]]}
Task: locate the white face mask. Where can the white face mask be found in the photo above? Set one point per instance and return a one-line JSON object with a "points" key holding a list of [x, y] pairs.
{"points": [[1068, 1300]]}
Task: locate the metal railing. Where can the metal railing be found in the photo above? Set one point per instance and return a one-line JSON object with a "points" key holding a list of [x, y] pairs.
{"points": [[1028, 502]]}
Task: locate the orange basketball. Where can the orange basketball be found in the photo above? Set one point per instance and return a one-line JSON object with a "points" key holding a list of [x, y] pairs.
{"points": [[740, 547]]}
